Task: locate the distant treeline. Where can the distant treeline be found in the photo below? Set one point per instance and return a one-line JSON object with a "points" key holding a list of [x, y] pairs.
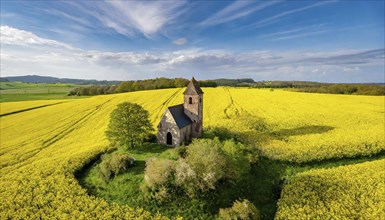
{"points": [[49, 79], [286, 84], [233, 82], [349, 89], [163, 83], [130, 86]]}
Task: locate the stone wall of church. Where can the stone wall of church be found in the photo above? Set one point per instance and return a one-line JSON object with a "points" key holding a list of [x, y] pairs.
{"points": [[185, 134], [166, 125]]}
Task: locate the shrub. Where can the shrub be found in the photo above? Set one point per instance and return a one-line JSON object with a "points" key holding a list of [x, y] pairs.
{"points": [[238, 162], [158, 176], [244, 210], [186, 177], [158, 172], [208, 161], [113, 164]]}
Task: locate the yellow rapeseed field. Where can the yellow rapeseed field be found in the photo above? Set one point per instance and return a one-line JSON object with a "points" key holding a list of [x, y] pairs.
{"points": [[41, 148], [348, 192]]}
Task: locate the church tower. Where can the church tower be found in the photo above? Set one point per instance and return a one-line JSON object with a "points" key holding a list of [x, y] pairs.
{"points": [[193, 107]]}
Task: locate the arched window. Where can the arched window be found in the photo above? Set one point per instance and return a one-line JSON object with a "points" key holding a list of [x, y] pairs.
{"points": [[200, 100], [189, 100]]}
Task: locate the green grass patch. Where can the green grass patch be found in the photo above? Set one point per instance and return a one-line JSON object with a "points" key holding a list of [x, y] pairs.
{"points": [[262, 186], [259, 187], [19, 91]]}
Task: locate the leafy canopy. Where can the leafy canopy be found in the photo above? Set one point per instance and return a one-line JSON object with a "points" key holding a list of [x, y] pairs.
{"points": [[129, 125]]}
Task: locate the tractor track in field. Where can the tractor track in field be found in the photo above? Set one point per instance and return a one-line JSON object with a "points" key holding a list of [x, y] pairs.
{"points": [[165, 103], [29, 109], [232, 105], [59, 134], [73, 126]]}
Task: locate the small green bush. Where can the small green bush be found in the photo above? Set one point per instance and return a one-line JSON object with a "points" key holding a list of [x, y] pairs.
{"points": [[206, 158], [158, 176], [158, 172], [237, 159], [244, 210], [113, 164]]}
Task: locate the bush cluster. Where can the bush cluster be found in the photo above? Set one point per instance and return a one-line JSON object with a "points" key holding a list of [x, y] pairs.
{"points": [[206, 163], [113, 164], [244, 210]]}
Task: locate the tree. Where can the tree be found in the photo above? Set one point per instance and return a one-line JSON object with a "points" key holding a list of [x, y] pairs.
{"points": [[129, 125]]}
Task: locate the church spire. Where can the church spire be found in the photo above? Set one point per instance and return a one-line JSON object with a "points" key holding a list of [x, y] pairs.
{"points": [[193, 88]]}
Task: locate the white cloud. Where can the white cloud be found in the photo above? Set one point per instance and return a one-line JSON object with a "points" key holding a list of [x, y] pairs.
{"points": [[130, 17], [13, 36], [48, 57], [180, 41]]}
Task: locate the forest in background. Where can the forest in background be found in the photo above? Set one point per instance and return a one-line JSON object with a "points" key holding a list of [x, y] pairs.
{"points": [[95, 87]]}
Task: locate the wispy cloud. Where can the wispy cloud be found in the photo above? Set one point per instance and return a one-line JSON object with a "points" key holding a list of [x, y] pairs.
{"points": [[146, 17], [7, 15], [301, 35], [235, 11], [279, 16], [180, 41], [77, 19]]}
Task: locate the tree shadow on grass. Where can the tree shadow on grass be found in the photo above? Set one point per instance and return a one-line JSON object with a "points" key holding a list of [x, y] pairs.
{"points": [[149, 148], [137, 168]]}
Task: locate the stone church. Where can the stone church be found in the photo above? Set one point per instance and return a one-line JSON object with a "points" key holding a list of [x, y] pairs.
{"points": [[181, 123]]}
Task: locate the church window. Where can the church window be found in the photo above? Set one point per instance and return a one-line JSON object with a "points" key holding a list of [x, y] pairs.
{"points": [[189, 100]]}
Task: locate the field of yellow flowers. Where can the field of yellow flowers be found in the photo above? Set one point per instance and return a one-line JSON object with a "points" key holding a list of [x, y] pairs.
{"points": [[43, 143], [347, 192]]}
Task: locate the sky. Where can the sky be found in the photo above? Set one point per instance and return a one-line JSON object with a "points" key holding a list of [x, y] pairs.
{"points": [[324, 41]]}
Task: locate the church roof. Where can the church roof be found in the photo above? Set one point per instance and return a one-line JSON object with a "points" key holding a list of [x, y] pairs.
{"points": [[181, 119], [193, 88]]}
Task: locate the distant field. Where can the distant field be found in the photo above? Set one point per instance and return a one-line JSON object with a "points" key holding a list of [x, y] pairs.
{"points": [[19, 91], [42, 148]]}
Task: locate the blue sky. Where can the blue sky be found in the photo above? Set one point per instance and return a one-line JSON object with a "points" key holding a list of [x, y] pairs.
{"points": [[329, 41]]}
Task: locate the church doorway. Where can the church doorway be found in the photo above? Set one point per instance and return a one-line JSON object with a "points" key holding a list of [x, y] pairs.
{"points": [[169, 138]]}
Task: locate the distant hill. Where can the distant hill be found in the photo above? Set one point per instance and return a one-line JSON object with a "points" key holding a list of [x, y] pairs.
{"points": [[49, 79]]}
